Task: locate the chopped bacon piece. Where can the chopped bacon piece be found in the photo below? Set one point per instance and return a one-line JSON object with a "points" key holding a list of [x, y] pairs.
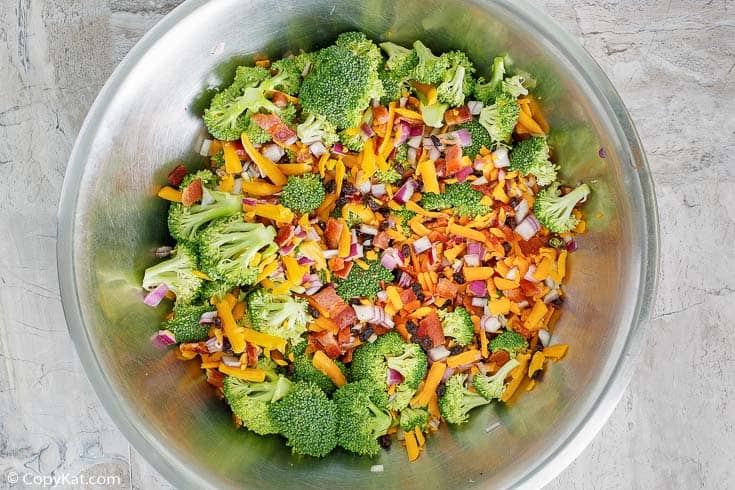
{"points": [[446, 288], [280, 132], [441, 167], [530, 288], [514, 295], [499, 357], [240, 150], [343, 336], [329, 343], [215, 378], [381, 240], [332, 233], [343, 271], [285, 235], [192, 193], [253, 353], [530, 247], [431, 327], [280, 99], [176, 175], [339, 312], [453, 158], [380, 115], [407, 296], [458, 115]]}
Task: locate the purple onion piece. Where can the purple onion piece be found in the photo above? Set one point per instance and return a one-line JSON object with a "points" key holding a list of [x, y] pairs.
{"points": [[528, 227], [394, 377], [163, 338], [406, 191], [422, 245], [155, 297]]}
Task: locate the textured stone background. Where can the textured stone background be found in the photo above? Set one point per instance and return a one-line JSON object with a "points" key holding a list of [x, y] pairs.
{"points": [[672, 62]]}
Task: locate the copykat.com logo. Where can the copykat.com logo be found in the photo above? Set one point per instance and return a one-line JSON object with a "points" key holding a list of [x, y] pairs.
{"points": [[60, 480]]}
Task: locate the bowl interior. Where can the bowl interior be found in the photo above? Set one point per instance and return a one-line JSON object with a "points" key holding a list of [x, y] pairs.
{"points": [[147, 119]]}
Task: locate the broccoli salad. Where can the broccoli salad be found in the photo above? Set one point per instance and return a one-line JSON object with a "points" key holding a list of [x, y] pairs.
{"points": [[376, 245]]}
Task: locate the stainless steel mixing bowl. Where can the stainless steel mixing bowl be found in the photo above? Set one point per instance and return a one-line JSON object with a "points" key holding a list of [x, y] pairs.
{"points": [[146, 118]]}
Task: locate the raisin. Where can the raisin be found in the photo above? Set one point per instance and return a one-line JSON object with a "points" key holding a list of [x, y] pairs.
{"points": [[457, 349], [412, 327], [366, 333], [330, 187], [507, 247], [385, 441], [313, 312], [406, 250], [558, 301], [458, 278], [441, 389], [348, 188]]}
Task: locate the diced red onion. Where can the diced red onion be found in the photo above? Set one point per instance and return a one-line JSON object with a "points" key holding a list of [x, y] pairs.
{"points": [[163, 338], [479, 302], [318, 149], [460, 136], [207, 317], [214, 345], [521, 210], [331, 253], [551, 296], [448, 373], [368, 229], [500, 157], [273, 152], [312, 235], [422, 245], [391, 258], [528, 227], [602, 153], [367, 130], [429, 142], [251, 201], [356, 251], [304, 260], [402, 102], [378, 190], [529, 275], [433, 257], [544, 337], [311, 290], [501, 175], [339, 149], [287, 249], [512, 274], [457, 265], [406, 191], [231, 361], [414, 141], [434, 153], [394, 377], [478, 288], [417, 130], [155, 297], [405, 132], [472, 260], [299, 232], [208, 199], [438, 353], [475, 107], [365, 187], [405, 280], [382, 295], [411, 156], [163, 252], [476, 248], [463, 173], [479, 164], [491, 324], [572, 245], [479, 181]]}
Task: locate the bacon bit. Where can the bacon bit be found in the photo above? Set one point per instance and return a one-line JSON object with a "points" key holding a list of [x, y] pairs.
{"points": [[499, 358], [328, 342], [457, 115], [215, 378], [380, 115], [407, 296], [381, 240], [343, 271], [279, 131], [453, 159], [192, 193], [446, 288], [253, 351], [177, 175], [285, 235], [431, 328], [340, 312], [332, 233], [280, 99]]}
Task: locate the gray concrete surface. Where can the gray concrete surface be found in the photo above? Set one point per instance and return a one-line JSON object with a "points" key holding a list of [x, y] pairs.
{"points": [[672, 62]]}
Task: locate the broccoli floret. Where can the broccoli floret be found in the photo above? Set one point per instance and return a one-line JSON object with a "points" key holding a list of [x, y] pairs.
{"points": [[531, 156], [287, 78], [555, 211], [177, 273], [307, 419], [486, 92], [256, 134], [248, 76], [363, 283], [228, 116], [228, 247], [500, 117], [492, 387], [368, 362], [434, 202], [361, 46], [413, 417], [360, 420], [392, 84], [209, 179], [185, 324], [464, 200], [316, 128], [401, 155], [251, 401], [352, 139], [341, 84], [401, 60], [401, 398], [480, 137], [304, 370], [510, 341], [433, 115], [457, 400], [302, 60], [280, 315], [389, 176], [411, 363], [458, 325], [390, 344], [185, 221], [514, 86], [218, 159], [429, 68], [303, 193], [215, 289], [403, 216], [457, 82]]}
